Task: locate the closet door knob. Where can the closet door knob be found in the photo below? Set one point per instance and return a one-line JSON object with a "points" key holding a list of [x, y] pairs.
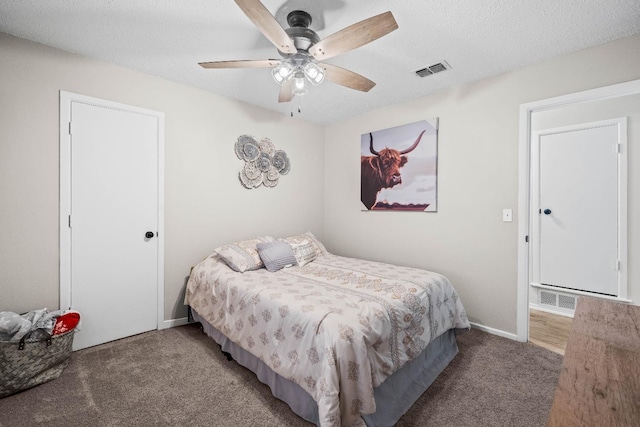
{"points": [[149, 234], [547, 211]]}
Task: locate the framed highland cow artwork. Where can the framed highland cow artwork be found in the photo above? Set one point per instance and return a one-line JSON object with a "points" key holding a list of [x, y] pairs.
{"points": [[399, 168]]}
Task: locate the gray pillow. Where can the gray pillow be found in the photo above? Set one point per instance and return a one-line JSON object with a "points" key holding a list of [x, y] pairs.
{"points": [[276, 255]]}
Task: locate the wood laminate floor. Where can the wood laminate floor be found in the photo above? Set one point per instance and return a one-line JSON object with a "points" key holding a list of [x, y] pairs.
{"points": [[550, 331]]}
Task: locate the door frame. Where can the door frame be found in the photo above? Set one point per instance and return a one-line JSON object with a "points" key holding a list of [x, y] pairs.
{"points": [[524, 183], [66, 99]]}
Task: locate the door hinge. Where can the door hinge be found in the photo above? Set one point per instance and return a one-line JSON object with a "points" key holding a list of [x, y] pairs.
{"points": [[526, 239], [69, 221], [618, 265], [619, 147], [69, 128]]}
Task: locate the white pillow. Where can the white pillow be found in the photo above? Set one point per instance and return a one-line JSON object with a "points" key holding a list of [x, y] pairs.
{"points": [[305, 252], [308, 236], [243, 255]]}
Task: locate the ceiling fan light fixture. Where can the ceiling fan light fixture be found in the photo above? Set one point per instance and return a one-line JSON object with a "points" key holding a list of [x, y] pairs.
{"points": [[282, 72], [299, 85], [314, 73]]}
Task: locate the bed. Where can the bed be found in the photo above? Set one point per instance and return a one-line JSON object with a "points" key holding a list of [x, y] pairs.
{"points": [[343, 341]]}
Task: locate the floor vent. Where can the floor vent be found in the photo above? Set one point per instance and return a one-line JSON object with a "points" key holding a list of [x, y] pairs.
{"points": [[567, 301], [563, 302], [433, 69]]}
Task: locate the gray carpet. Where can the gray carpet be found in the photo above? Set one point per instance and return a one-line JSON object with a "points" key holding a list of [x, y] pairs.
{"points": [[178, 377]]}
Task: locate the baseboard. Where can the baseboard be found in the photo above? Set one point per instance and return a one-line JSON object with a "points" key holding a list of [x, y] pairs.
{"points": [[173, 323], [493, 331], [538, 307]]}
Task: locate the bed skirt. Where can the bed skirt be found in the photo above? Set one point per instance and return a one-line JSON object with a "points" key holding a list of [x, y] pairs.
{"points": [[393, 397]]}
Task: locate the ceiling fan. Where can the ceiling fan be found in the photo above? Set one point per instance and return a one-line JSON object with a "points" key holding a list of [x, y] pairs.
{"points": [[301, 49]]}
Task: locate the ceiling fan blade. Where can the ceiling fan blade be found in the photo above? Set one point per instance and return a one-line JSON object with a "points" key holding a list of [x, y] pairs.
{"points": [[249, 63], [354, 36], [347, 78], [267, 24], [286, 91]]}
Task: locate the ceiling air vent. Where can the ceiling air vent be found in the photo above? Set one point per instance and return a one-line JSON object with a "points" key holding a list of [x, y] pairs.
{"points": [[432, 69]]}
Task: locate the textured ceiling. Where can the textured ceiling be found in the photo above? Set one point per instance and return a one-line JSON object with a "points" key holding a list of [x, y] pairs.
{"points": [[478, 38]]}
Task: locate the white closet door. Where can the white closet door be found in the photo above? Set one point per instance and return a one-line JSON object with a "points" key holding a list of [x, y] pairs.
{"points": [[114, 204], [575, 205]]}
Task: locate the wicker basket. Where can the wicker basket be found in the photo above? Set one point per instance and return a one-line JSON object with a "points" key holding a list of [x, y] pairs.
{"points": [[27, 364]]}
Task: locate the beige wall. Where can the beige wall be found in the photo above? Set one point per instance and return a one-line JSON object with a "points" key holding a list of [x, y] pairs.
{"points": [[205, 205], [477, 177]]}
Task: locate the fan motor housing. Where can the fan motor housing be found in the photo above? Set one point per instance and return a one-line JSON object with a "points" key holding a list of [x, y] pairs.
{"points": [[303, 37]]}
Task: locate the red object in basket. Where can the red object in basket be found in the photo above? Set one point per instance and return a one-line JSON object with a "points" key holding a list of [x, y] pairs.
{"points": [[66, 322]]}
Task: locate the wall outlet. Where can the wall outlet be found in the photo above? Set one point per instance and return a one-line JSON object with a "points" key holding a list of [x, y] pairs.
{"points": [[507, 215]]}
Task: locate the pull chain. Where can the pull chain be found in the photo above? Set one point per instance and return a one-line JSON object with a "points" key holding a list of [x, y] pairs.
{"points": [[299, 107]]}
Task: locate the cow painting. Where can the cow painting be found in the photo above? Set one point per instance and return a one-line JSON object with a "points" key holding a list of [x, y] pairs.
{"points": [[382, 170]]}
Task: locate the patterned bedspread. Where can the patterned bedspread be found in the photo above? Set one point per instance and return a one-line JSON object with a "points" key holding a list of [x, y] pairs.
{"points": [[337, 327]]}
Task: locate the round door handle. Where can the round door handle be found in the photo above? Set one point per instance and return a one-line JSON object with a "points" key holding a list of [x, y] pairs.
{"points": [[149, 234], [547, 211]]}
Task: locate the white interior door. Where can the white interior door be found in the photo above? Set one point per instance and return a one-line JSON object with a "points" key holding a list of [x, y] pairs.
{"points": [[113, 222], [575, 207]]}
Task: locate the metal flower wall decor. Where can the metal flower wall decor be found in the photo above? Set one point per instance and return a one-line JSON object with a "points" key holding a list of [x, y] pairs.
{"points": [[263, 164]]}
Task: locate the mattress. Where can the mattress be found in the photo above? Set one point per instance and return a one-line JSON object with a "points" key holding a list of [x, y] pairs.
{"points": [[338, 327]]}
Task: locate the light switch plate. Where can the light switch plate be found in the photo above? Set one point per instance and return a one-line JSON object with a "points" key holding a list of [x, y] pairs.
{"points": [[507, 215]]}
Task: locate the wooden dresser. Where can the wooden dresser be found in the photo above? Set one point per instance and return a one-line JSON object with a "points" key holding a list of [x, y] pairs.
{"points": [[599, 384]]}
